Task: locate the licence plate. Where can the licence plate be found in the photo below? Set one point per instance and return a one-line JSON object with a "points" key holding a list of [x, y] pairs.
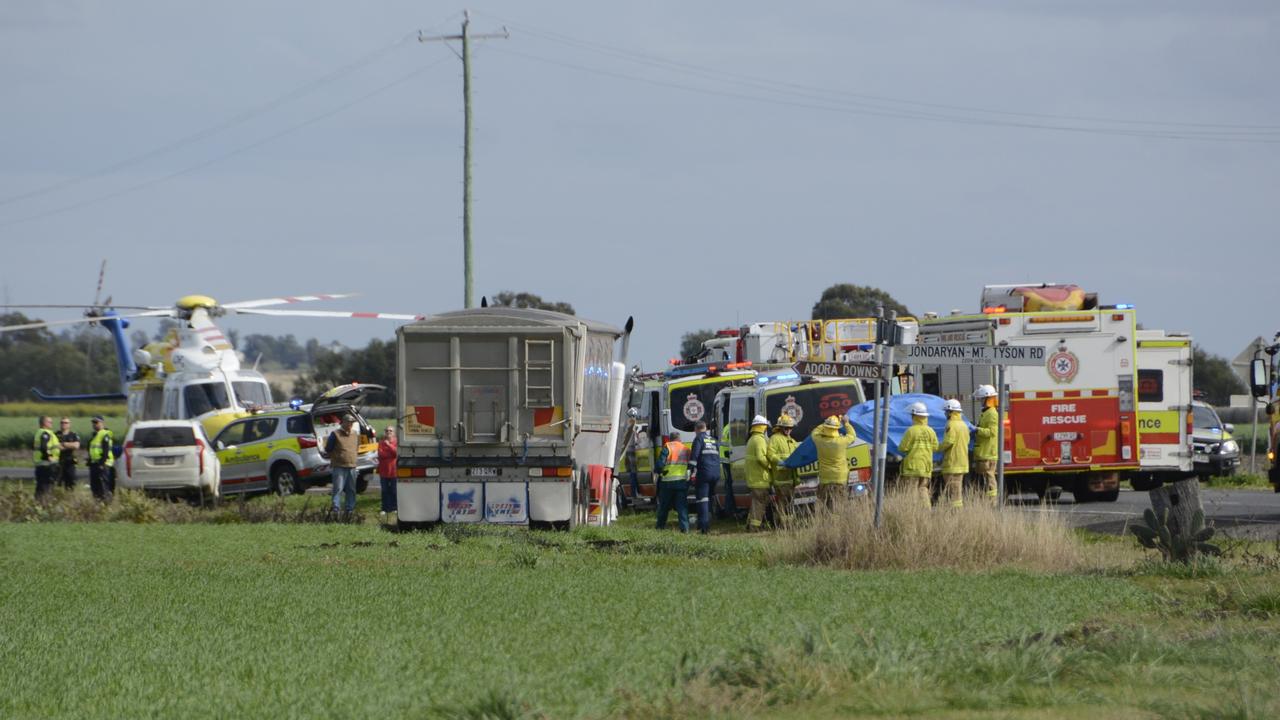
{"points": [[1068, 436], [170, 460], [484, 472]]}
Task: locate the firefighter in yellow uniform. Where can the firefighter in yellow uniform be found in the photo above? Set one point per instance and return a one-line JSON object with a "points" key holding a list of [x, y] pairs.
{"points": [[781, 445], [955, 453], [984, 448], [46, 451], [917, 447], [831, 439], [758, 475]]}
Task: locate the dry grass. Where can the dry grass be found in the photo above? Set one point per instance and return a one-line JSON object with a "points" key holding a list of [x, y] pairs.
{"points": [[976, 537], [18, 504]]}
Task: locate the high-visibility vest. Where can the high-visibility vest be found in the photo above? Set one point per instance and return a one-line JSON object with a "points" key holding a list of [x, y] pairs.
{"points": [[53, 449], [100, 448], [724, 444], [677, 467]]}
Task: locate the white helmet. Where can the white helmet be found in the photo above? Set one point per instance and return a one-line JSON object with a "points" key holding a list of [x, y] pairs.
{"points": [[983, 392], [918, 409], [952, 405], [759, 420]]}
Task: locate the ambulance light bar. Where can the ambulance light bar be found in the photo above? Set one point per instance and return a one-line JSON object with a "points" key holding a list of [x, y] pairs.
{"points": [[781, 377], [994, 310]]}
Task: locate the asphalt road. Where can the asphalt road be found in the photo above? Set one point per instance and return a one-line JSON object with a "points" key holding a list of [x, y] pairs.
{"points": [[1235, 513]]}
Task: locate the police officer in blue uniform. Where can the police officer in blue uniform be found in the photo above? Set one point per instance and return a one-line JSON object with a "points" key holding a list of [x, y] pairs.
{"points": [[704, 468]]}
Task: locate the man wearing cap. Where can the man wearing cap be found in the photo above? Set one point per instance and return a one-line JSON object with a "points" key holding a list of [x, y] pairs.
{"points": [[759, 478], [70, 441], [831, 439], [704, 469], [343, 449], [101, 461]]}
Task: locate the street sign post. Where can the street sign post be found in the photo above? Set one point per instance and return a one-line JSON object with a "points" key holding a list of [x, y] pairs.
{"points": [[855, 370], [973, 355]]}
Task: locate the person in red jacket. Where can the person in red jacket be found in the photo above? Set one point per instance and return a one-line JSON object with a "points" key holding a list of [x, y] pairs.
{"points": [[387, 469]]}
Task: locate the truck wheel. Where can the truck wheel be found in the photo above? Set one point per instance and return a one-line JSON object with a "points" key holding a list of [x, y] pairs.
{"points": [[362, 483], [285, 480]]}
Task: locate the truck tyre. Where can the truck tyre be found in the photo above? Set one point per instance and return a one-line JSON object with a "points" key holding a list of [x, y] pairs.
{"points": [[285, 480], [362, 483]]}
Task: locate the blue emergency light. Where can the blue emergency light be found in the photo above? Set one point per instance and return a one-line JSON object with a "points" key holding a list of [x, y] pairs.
{"points": [[295, 403]]}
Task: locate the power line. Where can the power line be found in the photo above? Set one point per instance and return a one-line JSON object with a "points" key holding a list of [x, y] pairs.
{"points": [[233, 121], [897, 114], [237, 151], [884, 104]]}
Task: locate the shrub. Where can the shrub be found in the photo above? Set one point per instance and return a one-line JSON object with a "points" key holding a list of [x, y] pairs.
{"points": [[977, 536]]}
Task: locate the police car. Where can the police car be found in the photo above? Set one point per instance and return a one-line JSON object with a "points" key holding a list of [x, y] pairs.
{"points": [[278, 449]]}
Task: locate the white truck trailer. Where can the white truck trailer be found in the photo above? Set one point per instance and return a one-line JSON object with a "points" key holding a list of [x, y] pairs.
{"points": [[508, 416]]}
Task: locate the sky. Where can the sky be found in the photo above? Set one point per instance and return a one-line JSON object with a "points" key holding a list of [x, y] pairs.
{"points": [[691, 164]]}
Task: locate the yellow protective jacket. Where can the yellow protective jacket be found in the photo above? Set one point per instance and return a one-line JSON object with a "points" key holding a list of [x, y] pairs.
{"points": [[988, 428], [955, 447], [758, 465], [833, 453], [918, 445], [780, 448]]}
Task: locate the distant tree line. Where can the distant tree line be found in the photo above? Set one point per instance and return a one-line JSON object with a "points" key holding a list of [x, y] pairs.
{"points": [[74, 361]]}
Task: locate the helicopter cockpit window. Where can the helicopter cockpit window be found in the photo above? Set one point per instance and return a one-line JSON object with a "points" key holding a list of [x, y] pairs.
{"points": [[205, 397], [251, 393]]}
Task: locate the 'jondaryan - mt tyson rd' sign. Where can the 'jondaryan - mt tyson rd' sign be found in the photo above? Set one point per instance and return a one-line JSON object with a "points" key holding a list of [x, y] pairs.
{"points": [[971, 355]]}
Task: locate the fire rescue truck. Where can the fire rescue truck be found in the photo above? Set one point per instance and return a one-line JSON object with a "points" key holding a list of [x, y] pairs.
{"points": [[808, 400], [669, 402], [1072, 422], [1164, 409], [507, 416], [784, 342]]}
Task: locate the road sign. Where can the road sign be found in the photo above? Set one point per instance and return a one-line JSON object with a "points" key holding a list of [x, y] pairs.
{"points": [[858, 371], [973, 355], [1242, 361]]}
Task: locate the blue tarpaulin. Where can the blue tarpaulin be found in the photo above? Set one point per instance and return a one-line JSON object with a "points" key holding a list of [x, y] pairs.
{"points": [[862, 417]]}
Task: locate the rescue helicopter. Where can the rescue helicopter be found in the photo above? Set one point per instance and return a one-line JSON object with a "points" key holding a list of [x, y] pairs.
{"points": [[193, 372]]}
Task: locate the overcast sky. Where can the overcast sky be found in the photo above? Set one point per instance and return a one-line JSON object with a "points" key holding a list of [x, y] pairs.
{"points": [[691, 164]]}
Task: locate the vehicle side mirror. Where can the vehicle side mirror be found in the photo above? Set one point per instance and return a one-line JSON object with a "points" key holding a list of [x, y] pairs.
{"points": [[1258, 378], [221, 445], [1228, 428]]}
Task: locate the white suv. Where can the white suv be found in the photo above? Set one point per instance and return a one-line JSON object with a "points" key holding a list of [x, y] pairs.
{"points": [[170, 457]]}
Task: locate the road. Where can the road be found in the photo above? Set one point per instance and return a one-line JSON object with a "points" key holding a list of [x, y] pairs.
{"points": [[1235, 513]]}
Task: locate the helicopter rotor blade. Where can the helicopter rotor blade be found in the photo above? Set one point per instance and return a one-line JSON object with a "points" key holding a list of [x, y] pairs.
{"points": [[284, 300], [94, 319], [102, 271], [331, 314], [81, 307]]}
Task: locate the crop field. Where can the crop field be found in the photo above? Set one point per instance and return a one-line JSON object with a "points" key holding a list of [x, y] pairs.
{"points": [[111, 619]]}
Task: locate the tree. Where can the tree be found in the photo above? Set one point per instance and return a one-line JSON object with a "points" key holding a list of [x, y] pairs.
{"points": [[1212, 375], [507, 298], [375, 363], [850, 301], [691, 342]]}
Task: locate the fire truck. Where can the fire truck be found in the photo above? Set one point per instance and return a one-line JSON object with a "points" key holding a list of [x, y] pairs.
{"points": [[1072, 423], [783, 342], [507, 416]]}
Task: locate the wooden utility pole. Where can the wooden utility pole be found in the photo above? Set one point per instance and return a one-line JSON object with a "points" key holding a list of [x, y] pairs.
{"points": [[465, 36]]}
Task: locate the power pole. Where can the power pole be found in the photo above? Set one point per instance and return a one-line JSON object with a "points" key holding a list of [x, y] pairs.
{"points": [[465, 36]]}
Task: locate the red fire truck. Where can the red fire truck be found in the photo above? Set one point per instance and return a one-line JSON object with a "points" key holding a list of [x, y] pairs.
{"points": [[1072, 422]]}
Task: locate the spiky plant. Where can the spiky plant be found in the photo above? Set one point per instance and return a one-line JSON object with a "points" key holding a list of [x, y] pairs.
{"points": [[1175, 544]]}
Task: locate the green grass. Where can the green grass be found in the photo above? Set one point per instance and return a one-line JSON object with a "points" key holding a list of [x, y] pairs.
{"points": [[1240, 480], [18, 432], [305, 620]]}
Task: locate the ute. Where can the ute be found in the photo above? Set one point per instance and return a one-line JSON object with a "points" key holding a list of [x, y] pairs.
{"points": [[507, 416]]}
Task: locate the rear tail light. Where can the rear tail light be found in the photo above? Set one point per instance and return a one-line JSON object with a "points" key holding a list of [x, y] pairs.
{"points": [[200, 453], [1008, 433], [405, 472], [128, 458], [307, 441], [551, 472]]}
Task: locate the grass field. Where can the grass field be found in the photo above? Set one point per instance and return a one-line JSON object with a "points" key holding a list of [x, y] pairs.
{"points": [[266, 620]]}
